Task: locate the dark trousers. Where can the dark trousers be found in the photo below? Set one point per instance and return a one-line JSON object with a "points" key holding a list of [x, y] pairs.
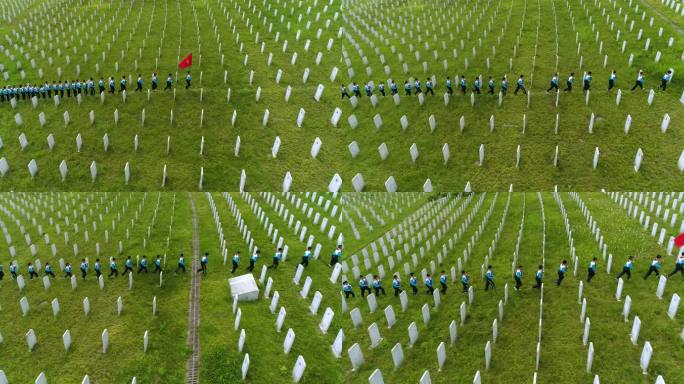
{"points": [[382, 92], [638, 84], [518, 283], [489, 283], [98, 273], [14, 275], [2, 274], [180, 267], [504, 91], [154, 86], [83, 273], [67, 275], [520, 88], [345, 94], [430, 289], [142, 269], [122, 88], [397, 291], [251, 266], [168, 86], [444, 288], [611, 84], [235, 266], [138, 88], [378, 290], [663, 84], [203, 268], [114, 273], [333, 261], [305, 261], [678, 268], [568, 87], [552, 86], [364, 289], [491, 90], [111, 89], [651, 269], [590, 275], [428, 91], [127, 269], [561, 276], [32, 274], [50, 273], [625, 271], [349, 293], [539, 283], [414, 289], [465, 287], [157, 268], [477, 90], [274, 265], [187, 84], [408, 92], [450, 90], [463, 90]]}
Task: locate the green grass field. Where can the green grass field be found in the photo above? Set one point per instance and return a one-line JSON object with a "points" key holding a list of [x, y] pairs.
{"points": [[529, 226], [539, 38]]}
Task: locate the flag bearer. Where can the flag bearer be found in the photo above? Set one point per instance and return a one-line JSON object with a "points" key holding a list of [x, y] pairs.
{"points": [[679, 266]]}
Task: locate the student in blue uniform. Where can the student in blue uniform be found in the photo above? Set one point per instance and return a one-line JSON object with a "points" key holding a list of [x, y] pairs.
{"points": [[169, 82], [343, 90], [155, 81], [591, 271], [13, 269], [122, 86], [413, 282], [586, 82], [396, 284], [363, 285], [128, 265], [561, 272], [368, 89], [504, 86], [48, 270], [463, 84], [639, 81], [627, 268], [111, 85], [139, 84], [356, 89], [157, 264], [377, 286], [665, 79], [91, 86], [489, 278], [554, 83], [654, 267], [2, 272], [449, 86], [336, 256], [203, 263], [181, 263], [393, 88], [417, 86], [679, 265], [67, 86], [611, 79], [113, 271], [520, 86], [68, 271], [428, 87], [276, 259], [188, 80], [569, 82], [490, 84], [538, 277], [142, 264], [347, 289], [518, 277], [465, 281], [32, 271], [443, 282], [476, 83], [253, 260], [306, 257], [84, 268], [98, 268], [235, 261], [428, 284], [407, 88]]}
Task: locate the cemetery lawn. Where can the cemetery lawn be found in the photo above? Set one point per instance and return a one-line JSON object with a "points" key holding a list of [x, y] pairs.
{"points": [[538, 36], [508, 223]]}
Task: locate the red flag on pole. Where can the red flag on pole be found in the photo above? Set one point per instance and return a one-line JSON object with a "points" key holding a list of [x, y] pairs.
{"points": [[679, 240], [186, 62]]}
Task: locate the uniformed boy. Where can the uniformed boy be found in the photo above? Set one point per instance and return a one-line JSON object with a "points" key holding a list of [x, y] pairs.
{"points": [[591, 271], [476, 83], [336, 255], [489, 278], [504, 86], [235, 260], [169, 82], [627, 268], [428, 284], [14, 269], [32, 270], [639, 81], [91, 86], [381, 88], [554, 83], [490, 84], [48, 270], [463, 84], [188, 80], [393, 87], [407, 88], [68, 270], [84, 268], [518, 277], [538, 277], [155, 81], [611, 79], [111, 85], [2, 272], [142, 264], [157, 264], [417, 86], [306, 257], [276, 259], [586, 82], [112, 268], [356, 89], [465, 281], [520, 86], [654, 267], [67, 86], [181, 264], [428, 87], [679, 265], [569, 82], [343, 90], [122, 86], [363, 285], [253, 260], [665, 79], [98, 268], [396, 284], [347, 289], [413, 282], [203, 263], [128, 265], [443, 282], [368, 89], [377, 286], [449, 86], [139, 84], [561, 272]]}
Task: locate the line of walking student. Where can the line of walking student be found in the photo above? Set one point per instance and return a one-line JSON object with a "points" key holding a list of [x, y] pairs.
{"points": [[85, 87], [98, 268], [416, 87]]}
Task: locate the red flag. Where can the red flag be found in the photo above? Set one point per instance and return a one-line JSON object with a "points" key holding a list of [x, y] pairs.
{"points": [[186, 62], [679, 240]]}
